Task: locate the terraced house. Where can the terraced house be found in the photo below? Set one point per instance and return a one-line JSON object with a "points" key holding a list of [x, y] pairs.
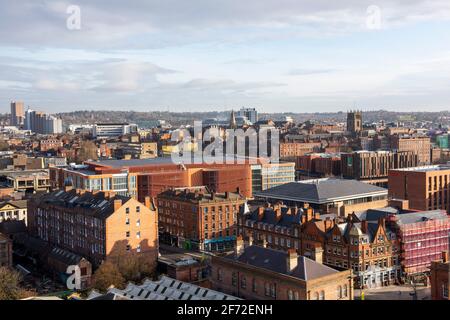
{"points": [[97, 226]]}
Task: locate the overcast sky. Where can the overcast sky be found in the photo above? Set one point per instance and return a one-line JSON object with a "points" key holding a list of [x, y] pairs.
{"points": [[201, 55]]}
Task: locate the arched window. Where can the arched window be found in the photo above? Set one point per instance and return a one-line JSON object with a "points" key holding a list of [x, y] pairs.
{"points": [[234, 279], [254, 285], [296, 295], [339, 292], [290, 295], [267, 289], [322, 295], [243, 282], [219, 274], [316, 296], [345, 291]]}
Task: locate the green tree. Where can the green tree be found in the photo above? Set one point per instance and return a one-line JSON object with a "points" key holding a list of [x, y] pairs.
{"points": [[107, 275]]}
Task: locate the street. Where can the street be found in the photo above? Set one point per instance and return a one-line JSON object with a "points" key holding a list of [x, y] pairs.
{"points": [[402, 292]]}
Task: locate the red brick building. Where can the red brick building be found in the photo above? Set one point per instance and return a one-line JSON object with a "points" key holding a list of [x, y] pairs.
{"points": [[97, 226], [259, 273], [439, 278], [198, 218]]}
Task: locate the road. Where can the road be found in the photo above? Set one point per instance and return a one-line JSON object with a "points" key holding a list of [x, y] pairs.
{"points": [[401, 292]]}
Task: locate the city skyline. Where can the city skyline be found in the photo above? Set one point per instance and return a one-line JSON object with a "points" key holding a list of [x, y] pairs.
{"points": [[289, 55]]}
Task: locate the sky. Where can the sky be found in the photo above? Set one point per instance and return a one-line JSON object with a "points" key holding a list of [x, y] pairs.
{"points": [[205, 55]]}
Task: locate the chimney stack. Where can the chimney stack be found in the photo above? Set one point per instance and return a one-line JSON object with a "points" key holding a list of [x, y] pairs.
{"points": [[147, 202], [364, 225], [239, 246], [117, 204], [277, 213], [444, 256], [291, 260]]}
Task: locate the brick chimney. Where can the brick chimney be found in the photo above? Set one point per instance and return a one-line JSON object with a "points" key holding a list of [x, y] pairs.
{"points": [[291, 260], [147, 202], [117, 204], [364, 225], [260, 213], [309, 214], [317, 216], [277, 213], [444, 255], [239, 249]]}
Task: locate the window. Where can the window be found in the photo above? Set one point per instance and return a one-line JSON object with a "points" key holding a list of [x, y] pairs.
{"points": [[138, 209], [267, 289], [254, 285], [127, 210], [138, 249], [128, 234], [138, 222], [273, 290], [219, 274], [322, 295], [234, 279], [138, 234], [445, 290], [290, 295], [344, 291], [127, 221], [243, 283], [339, 292], [128, 247]]}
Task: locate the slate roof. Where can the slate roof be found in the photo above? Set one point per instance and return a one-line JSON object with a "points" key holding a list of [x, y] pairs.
{"points": [[375, 214], [64, 256], [270, 217], [20, 204], [11, 227], [322, 190], [97, 204], [275, 261]]}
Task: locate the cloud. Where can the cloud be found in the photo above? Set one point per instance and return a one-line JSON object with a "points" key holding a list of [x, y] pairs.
{"points": [[306, 72], [116, 24]]}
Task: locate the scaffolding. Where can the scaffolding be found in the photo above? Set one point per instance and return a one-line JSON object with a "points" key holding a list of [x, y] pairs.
{"points": [[421, 243]]}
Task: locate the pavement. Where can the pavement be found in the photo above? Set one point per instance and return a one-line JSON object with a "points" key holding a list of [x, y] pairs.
{"points": [[394, 292]]}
